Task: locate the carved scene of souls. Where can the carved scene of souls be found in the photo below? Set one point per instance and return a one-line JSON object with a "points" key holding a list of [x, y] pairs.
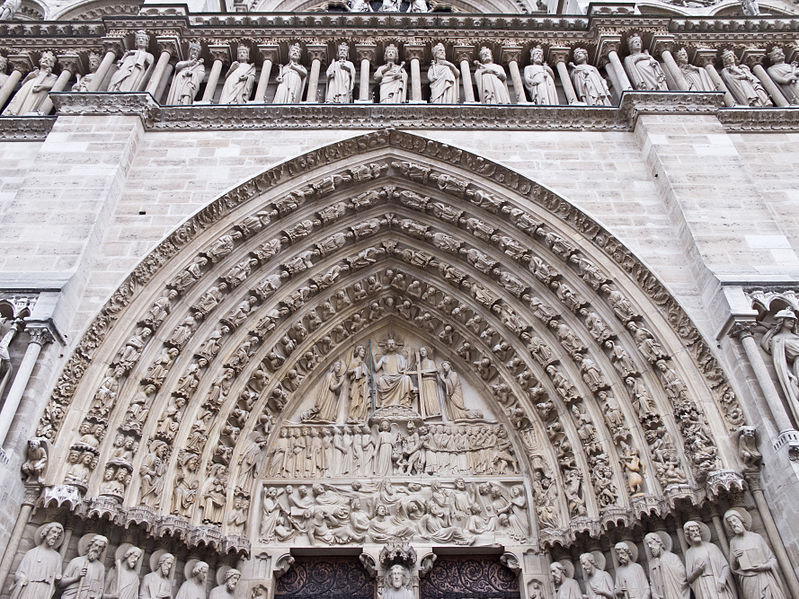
{"points": [[456, 512]]}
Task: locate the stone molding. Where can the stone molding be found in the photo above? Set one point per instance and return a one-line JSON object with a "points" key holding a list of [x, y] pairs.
{"points": [[25, 128], [760, 120]]}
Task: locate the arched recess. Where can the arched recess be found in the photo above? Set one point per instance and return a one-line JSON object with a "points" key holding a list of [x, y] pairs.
{"points": [[174, 399], [93, 10]]}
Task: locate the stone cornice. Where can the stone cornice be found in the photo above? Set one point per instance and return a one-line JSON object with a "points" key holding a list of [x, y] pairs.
{"points": [[747, 120], [25, 128]]}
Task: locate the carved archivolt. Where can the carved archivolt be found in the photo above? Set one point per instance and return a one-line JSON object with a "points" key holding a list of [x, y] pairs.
{"points": [[183, 387]]}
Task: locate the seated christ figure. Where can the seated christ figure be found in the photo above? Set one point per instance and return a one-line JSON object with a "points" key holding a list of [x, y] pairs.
{"points": [[394, 387]]}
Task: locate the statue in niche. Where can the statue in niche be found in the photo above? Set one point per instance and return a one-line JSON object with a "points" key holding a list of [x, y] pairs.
{"points": [[34, 89], [785, 75], [645, 72], [394, 386], [743, 85], [291, 78], [196, 576], [40, 567], [666, 571], [634, 468], [747, 447], [696, 77], [751, 558], [385, 450], [84, 576], [392, 77], [631, 582], [540, 80], [82, 83], [398, 583], [152, 473], [122, 581], [36, 460], [453, 392], [782, 342], [706, 567], [326, 407], [340, 78], [227, 586], [443, 77], [158, 583], [598, 583], [187, 79], [428, 385], [133, 67], [563, 580], [239, 80], [490, 78], [358, 378]]}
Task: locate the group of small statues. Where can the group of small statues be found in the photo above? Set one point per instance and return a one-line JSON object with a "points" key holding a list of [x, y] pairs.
{"points": [[39, 574], [136, 66], [706, 572], [457, 512], [355, 450]]}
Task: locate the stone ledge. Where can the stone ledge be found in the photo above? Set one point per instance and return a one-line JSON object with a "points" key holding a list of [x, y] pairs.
{"points": [[25, 128], [748, 120]]}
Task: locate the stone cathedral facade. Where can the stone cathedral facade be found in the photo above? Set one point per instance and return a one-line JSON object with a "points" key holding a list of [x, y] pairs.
{"points": [[463, 299]]}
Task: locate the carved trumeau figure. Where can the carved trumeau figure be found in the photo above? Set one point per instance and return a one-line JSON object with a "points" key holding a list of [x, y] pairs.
{"points": [[706, 567], [697, 78], [392, 77], [752, 560], [666, 571], [122, 581], [40, 567], [195, 585], [743, 85], [562, 579], [187, 78], [34, 89], [785, 75], [133, 67], [598, 583], [490, 78], [631, 580], [84, 576], [291, 78], [239, 80], [645, 72], [443, 77], [227, 586], [340, 78], [539, 79], [398, 583], [782, 342], [394, 386]]}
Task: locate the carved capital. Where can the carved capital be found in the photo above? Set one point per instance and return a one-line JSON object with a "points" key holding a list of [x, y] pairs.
{"points": [[464, 53], [511, 54], [169, 44], [317, 52], [220, 52], [660, 43], [558, 54], [412, 51], [269, 52], [40, 333], [606, 45], [741, 329], [365, 51], [752, 56], [705, 56], [752, 479], [32, 493], [113, 44], [20, 62], [69, 61]]}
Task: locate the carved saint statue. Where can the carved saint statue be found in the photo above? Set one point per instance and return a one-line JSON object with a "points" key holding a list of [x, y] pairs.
{"points": [[35, 87], [590, 86], [666, 571], [782, 342], [398, 583], [133, 67], [631, 580], [158, 583], [428, 385], [8, 9], [540, 80], [340, 78], [565, 585], [358, 6], [122, 581], [240, 79], [291, 78], [443, 77], [83, 84], [358, 376], [40, 567], [705, 565], [645, 72], [227, 589], [328, 402], [751, 558], [84, 576], [785, 75], [453, 392], [394, 386], [743, 85], [194, 587], [188, 76], [392, 77], [598, 583], [696, 77], [490, 78]]}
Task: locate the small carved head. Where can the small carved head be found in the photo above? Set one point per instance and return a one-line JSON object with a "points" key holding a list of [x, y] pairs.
{"points": [[243, 53], [295, 51], [485, 55], [200, 571], [623, 553], [47, 60], [398, 577], [654, 544], [51, 534], [96, 547], [693, 532], [391, 54], [588, 562], [635, 44], [439, 52], [194, 50], [142, 39], [558, 571], [728, 58], [132, 557], [735, 522], [165, 563], [537, 55], [232, 577], [681, 56], [776, 55], [343, 51], [580, 55], [94, 64]]}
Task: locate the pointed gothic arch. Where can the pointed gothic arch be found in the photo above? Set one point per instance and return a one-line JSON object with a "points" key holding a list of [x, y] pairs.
{"points": [[579, 352]]}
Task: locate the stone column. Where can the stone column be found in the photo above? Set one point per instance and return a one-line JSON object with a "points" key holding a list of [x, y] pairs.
{"points": [[753, 58], [32, 492], [464, 56], [20, 65], [112, 51], [511, 55], [69, 66], [705, 57], [269, 52], [414, 53], [40, 335], [366, 54], [662, 45], [221, 55], [557, 58], [318, 54], [169, 47], [608, 51]]}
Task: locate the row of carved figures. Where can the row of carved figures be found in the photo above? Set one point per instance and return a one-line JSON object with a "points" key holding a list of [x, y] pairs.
{"points": [[137, 71]]}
